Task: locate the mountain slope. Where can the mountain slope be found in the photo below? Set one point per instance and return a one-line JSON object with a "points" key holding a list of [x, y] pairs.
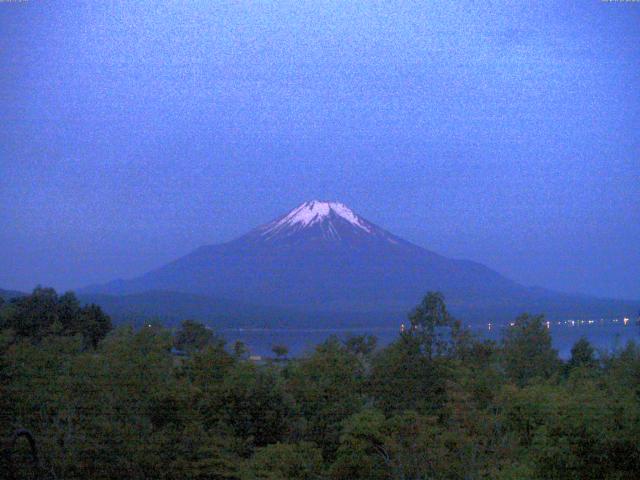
{"points": [[322, 256], [7, 295], [172, 307]]}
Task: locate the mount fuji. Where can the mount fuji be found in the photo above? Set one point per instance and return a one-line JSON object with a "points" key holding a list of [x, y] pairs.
{"points": [[325, 263]]}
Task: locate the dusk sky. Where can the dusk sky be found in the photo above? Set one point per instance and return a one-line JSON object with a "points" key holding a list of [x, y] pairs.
{"points": [[502, 132]]}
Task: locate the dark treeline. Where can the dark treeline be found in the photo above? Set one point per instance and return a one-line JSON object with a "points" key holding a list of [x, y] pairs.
{"points": [[437, 403]]}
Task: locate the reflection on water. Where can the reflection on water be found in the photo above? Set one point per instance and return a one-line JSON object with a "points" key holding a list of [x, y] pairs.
{"points": [[609, 336]]}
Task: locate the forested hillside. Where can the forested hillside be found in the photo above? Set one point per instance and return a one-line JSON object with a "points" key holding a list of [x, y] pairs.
{"points": [[435, 404]]}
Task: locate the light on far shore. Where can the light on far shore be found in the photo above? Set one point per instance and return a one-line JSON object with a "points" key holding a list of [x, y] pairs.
{"points": [[573, 323]]}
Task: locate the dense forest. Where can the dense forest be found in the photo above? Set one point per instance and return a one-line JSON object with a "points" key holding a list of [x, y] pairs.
{"points": [[438, 403]]}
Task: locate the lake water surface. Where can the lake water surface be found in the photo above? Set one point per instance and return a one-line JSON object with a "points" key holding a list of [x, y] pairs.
{"points": [[260, 341]]}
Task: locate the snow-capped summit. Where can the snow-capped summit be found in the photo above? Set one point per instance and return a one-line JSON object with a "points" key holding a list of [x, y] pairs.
{"points": [[323, 260], [316, 211], [326, 220]]}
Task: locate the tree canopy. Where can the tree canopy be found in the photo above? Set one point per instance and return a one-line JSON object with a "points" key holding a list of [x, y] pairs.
{"points": [[45, 313], [431, 404]]}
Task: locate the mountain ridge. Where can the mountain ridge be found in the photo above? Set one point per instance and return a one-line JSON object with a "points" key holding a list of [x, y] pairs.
{"points": [[322, 256]]}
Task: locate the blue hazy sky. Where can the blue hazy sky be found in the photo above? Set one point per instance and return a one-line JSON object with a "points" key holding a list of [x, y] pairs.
{"points": [[503, 132]]}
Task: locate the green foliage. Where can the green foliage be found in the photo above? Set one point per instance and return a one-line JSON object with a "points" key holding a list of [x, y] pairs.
{"points": [[527, 350], [193, 336], [252, 401], [361, 344], [623, 368], [403, 378], [577, 431], [240, 350], [283, 461], [428, 406], [359, 454], [582, 355], [327, 387], [432, 325], [280, 351], [45, 313]]}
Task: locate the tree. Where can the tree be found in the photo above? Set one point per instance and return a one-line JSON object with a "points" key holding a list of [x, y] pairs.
{"points": [[361, 454], [527, 351], [240, 350], [193, 336], [283, 461], [252, 401], [327, 386], [127, 410], [361, 344], [33, 315], [7, 377], [206, 368], [575, 430], [433, 326], [94, 324], [403, 377], [280, 351], [411, 372], [44, 313], [582, 354]]}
